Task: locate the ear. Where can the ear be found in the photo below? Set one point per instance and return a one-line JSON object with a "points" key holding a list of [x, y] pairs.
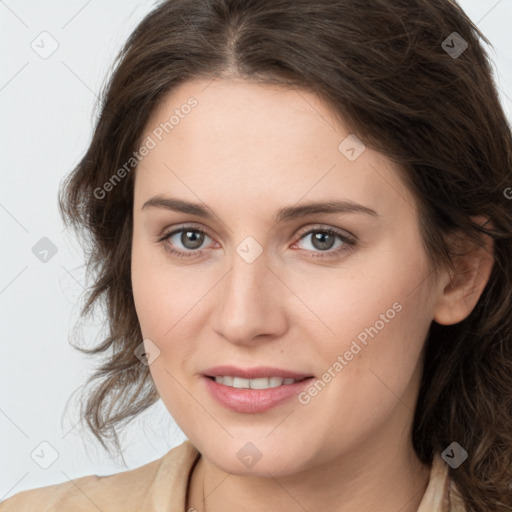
{"points": [[461, 289]]}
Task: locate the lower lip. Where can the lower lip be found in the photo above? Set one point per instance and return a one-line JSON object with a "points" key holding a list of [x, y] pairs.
{"points": [[253, 400]]}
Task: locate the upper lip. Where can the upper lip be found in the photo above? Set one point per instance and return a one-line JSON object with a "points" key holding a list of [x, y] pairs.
{"points": [[254, 373]]}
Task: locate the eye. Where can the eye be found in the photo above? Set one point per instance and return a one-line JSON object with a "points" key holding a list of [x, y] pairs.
{"points": [[189, 237], [324, 239]]}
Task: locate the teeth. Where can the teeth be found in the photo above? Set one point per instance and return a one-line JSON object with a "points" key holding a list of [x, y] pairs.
{"points": [[260, 383], [227, 381], [241, 383]]}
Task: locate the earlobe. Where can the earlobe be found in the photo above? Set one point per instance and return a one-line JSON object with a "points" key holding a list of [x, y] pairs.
{"points": [[464, 285]]}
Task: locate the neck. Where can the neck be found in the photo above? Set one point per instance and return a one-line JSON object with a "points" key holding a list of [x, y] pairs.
{"points": [[363, 480]]}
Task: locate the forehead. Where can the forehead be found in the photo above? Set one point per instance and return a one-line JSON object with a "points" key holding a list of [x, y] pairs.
{"points": [[239, 138]]}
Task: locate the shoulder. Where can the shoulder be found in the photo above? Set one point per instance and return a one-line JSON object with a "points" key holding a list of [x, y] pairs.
{"points": [[156, 484]]}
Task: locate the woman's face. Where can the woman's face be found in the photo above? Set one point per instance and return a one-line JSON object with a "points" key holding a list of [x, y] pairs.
{"points": [[274, 291]]}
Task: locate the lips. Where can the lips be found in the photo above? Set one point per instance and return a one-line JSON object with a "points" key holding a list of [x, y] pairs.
{"points": [[253, 399], [254, 373]]}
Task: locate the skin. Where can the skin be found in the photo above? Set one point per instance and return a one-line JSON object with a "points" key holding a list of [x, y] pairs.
{"points": [[246, 150]]}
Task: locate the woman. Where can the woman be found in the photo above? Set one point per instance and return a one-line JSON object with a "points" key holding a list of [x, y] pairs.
{"points": [[300, 226]]}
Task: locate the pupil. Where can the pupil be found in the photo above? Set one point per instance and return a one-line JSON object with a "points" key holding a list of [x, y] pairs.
{"points": [[192, 236], [320, 238]]}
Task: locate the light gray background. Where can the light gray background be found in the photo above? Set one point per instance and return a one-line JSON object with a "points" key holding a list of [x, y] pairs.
{"points": [[48, 108]]}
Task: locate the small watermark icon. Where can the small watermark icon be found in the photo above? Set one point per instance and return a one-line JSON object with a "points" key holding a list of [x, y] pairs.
{"points": [[351, 147], [44, 455], [249, 249], [44, 250], [147, 352], [454, 45], [454, 455], [45, 45], [508, 193], [249, 455]]}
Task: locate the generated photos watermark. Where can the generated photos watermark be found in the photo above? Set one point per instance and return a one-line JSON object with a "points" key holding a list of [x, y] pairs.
{"points": [[343, 360], [148, 144]]}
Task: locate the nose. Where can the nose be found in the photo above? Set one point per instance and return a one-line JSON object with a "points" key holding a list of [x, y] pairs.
{"points": [[251, 303]]}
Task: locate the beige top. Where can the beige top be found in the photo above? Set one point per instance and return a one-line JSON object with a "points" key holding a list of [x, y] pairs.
{"points": [[161, 486]]}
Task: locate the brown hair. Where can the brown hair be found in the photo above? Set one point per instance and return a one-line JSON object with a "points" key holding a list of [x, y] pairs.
{"points": [[383, 67]]}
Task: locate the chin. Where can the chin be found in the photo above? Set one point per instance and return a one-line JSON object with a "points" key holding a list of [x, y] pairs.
{"points": [[257, 458]]}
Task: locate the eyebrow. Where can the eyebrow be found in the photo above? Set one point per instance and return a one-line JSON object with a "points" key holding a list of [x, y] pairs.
{"points": [[286, 213]]}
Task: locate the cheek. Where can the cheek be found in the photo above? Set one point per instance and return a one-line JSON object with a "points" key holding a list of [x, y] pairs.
{"points": [[159, 307], [370, 367], [157, 301], [168, 306], [144, 288], [149, 290], [353, 296], [375, 314]]}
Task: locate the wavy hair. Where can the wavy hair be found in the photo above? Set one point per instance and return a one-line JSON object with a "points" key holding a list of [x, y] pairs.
{"points": [[385, 68]]}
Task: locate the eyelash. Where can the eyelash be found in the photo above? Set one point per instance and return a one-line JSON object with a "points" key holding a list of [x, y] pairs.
{"points": [[348, 243]]}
